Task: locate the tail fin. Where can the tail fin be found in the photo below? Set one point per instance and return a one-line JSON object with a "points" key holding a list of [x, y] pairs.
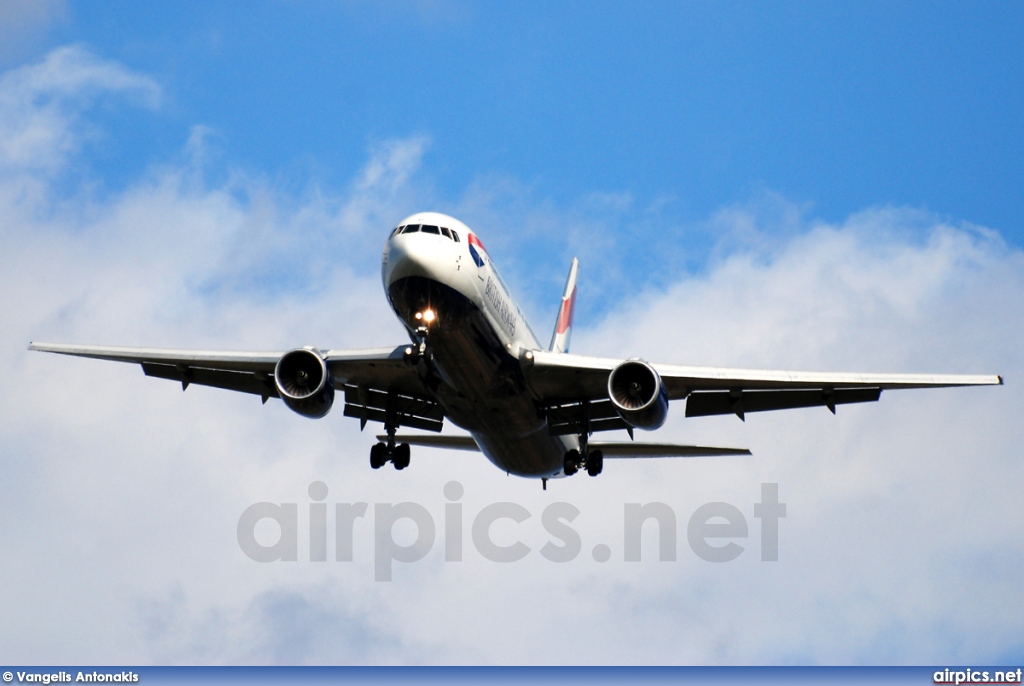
{"points": [[563, 325]]}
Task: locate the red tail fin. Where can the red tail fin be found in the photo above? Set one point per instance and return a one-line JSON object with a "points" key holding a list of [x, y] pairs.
{"points": [[563, 325]]}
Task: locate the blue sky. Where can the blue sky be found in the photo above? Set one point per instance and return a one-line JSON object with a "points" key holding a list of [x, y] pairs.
{"points": [[670, 110], [785, 185], [840, 105]]}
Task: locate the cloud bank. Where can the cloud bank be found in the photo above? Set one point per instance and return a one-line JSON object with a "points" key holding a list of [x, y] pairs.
{"points": [[903, 537]]}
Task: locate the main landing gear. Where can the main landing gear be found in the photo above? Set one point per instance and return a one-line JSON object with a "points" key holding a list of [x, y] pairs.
{"points": [[398, 455], [584, 458], [382, 453], [594, 462], [415, 355]]}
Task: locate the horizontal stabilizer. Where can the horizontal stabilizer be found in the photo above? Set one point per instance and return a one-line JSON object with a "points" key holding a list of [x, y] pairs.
{"points": [[612, 450], [449, 442], [621, 450]]}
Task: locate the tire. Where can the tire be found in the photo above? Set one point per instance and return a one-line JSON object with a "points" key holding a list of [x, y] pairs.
{"points": [[572, 460], [377, 456], [402, 456], [595, 463]]}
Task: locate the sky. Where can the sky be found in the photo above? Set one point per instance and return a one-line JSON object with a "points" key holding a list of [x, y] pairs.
{"points": [[783, 185]]}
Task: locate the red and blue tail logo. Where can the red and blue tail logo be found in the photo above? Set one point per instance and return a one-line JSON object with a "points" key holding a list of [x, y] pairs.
{"points": [[565, 313], [563, 325], [477, 250]]}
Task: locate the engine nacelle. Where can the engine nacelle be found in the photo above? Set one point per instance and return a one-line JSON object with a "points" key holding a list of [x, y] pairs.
{"points": [[638, 395], [304, 382]]}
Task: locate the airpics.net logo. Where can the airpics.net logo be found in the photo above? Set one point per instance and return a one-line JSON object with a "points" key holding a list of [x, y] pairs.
{"points": [[715, 532]]}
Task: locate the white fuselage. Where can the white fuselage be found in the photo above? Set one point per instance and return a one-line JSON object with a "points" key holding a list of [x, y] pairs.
{"points": [[476, 335]]}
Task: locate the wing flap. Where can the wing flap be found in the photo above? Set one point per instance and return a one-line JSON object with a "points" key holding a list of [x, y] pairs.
{"points": [[367, 404], [707, 403], [255, 383], [571, 418], [370, 415]]}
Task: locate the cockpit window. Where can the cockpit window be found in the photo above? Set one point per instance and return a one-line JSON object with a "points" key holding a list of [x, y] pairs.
{"points": [[451, 234], [396, 231]]}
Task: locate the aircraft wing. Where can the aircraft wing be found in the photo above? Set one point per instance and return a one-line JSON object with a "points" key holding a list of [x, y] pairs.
{"points": [[365, 376], [562, 381], [610, 449]]}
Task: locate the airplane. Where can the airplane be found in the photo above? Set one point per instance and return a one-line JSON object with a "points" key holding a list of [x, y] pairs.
{"points": [[474, 360]]}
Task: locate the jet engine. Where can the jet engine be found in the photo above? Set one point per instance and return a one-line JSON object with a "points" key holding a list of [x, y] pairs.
{"points": [[304, 382], [638, 395]]}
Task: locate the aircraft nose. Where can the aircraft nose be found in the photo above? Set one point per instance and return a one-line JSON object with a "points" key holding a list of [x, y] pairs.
{"points": [[416, 255], [402, 261]]}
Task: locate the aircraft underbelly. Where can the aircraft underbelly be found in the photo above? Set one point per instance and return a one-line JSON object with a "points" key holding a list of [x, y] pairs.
{"points": [[478, 382]]}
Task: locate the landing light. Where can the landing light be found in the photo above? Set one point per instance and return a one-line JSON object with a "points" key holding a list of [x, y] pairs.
{"points": [[426, 316]]}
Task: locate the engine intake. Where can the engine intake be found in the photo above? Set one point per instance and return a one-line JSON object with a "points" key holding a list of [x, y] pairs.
{"points": [[638, 395], [304, 382]]}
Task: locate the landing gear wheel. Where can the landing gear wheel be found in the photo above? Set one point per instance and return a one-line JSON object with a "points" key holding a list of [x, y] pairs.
{"points": [[572, 462], [595, 463], [401, 456], [378, 455]]}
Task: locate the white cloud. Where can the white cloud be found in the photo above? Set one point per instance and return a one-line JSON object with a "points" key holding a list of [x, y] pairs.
{"points": [[121, 495], [40, 105]]}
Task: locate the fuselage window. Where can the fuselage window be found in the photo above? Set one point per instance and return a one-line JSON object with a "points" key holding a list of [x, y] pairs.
{"points": [[429, 228], [446, 232], [412, 228]]}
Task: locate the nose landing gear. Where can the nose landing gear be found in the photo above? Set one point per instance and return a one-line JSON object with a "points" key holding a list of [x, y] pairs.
{"points": [[420, 350]]}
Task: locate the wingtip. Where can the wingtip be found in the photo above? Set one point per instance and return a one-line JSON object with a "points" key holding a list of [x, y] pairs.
{"points": [[1000, 377]]}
